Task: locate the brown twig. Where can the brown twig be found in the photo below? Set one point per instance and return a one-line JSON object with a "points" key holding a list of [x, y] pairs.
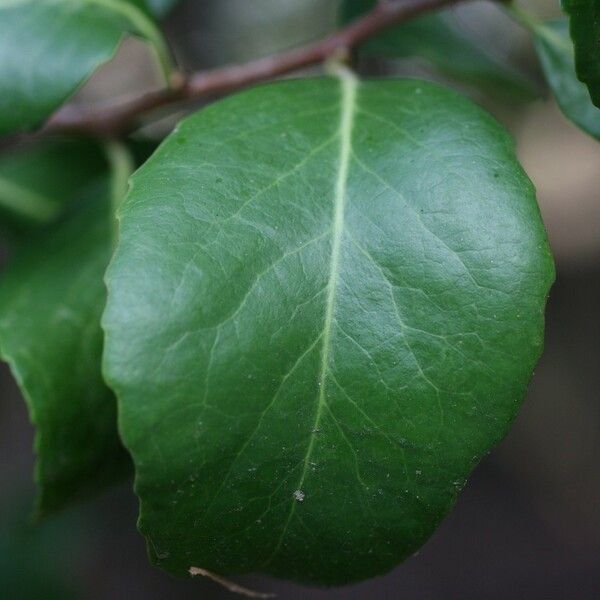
{"points": [[119, 118], [227, 584]]}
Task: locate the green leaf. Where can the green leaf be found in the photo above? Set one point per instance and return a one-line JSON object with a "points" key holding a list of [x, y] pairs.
{"points": [[584, 25], [51, 299], [441, 39], [38, 180], [555, 51], [48, 48], [324, 308]]}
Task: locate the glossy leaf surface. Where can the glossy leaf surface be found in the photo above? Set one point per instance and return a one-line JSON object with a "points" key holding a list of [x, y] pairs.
{"points": [[555, 50], [584, 25], [324, 308], [51, 298], [48, 48]]}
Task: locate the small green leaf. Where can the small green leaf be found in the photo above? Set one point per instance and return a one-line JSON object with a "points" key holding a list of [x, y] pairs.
{"points": [[325, 307], [555, 51], [584, 25], [440, 39], [51, 298], [38, 180], [48, 48]]}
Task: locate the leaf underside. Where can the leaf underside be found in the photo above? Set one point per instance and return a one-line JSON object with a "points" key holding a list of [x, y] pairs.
{"points": [[324, 309], [584, 25]]}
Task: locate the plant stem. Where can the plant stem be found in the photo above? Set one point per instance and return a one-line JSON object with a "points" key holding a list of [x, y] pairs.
{"points": [[117, 119]]}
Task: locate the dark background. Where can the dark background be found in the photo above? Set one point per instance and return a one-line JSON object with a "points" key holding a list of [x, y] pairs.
{"points": [[527, 526]]}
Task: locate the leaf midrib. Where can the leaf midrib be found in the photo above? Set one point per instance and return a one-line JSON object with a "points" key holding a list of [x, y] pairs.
{"points": [[349, 85]]}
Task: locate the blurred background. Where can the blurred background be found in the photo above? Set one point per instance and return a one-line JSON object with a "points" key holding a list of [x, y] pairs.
{"points": [[528, 523]]}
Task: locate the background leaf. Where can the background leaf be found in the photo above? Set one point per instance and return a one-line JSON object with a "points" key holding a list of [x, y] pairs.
{"points": [[584, 25], [441, 39], [38, 180], [325, 307], [555, 51], [51, 298], [65, 41]]}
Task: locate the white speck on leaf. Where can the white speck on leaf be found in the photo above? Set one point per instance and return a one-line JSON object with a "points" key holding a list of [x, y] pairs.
{"points": [[299, 495]]}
